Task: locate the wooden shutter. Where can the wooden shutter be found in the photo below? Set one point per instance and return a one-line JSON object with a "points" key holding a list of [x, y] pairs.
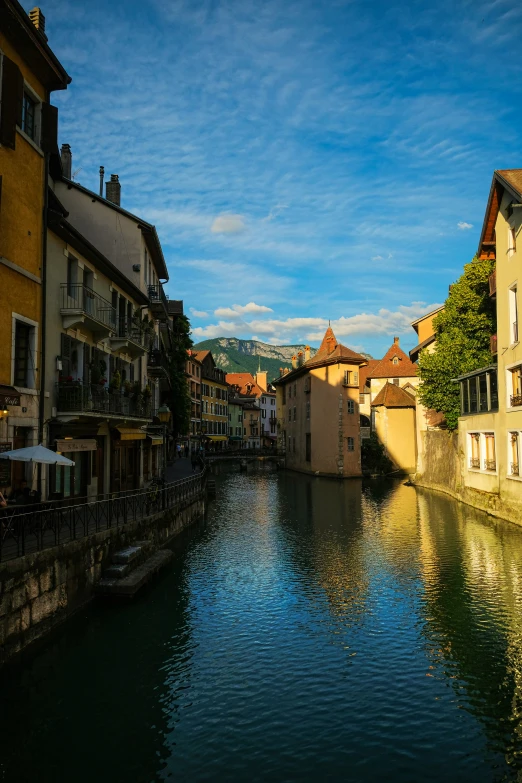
{"points": [[49, 135], [86, 363], [12, 100]]}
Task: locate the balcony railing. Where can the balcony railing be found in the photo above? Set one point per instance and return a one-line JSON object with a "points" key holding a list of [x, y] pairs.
{"points": [[490, 464], [516, 400], [158, 298], [493, 283], [128, 329], [157, 363], [474, 463], [77, 298], [514, 469], [81, 397], [493, 344]]}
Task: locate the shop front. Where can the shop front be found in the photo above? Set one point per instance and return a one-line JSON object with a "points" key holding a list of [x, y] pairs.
{"points": [[73, 481], [126, 452]]}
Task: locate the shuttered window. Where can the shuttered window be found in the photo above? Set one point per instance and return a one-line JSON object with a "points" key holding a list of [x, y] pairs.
{"points": [[11, 102]]}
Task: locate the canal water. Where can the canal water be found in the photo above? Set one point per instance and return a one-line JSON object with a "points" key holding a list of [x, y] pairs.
{"points": [[308, 630]]}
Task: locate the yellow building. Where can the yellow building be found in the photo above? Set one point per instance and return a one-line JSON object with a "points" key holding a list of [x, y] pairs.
{"points": [[28, 135], [425, 330], [318, 411], [214, 403], [394, 425], [490, 429], [193, 371]]}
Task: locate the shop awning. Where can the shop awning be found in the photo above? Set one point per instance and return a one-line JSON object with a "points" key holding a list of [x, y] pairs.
{"points": [[128, 433], [217, 437], [155, 440], [8, 396]]}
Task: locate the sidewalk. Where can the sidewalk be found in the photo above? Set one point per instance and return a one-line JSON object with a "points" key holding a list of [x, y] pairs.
{"points": [[180, 468]]}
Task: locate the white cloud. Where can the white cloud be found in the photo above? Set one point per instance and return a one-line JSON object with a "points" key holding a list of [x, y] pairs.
{"points": [[274, 212], [228, 224], [238, 310], [376, 258], [198, 313], [464, 226]]}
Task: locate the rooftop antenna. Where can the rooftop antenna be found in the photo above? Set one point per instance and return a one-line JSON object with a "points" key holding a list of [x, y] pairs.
{"points": [[75, 173]]}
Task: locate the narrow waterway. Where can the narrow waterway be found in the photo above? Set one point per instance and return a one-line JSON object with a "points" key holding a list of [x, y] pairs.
{"points": [[308, 630]]}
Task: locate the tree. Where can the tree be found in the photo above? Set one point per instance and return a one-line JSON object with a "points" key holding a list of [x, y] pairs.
{"points": [[179, 398], [463, 330]]}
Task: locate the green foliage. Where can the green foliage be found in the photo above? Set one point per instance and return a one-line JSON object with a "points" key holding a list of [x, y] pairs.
{"points": [[463, 330], [373, 457], [179, 400]]}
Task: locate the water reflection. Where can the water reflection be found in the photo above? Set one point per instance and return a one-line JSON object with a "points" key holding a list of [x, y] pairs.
{"points": [[311, 629]]}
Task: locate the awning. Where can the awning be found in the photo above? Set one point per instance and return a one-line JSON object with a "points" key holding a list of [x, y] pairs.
{"points": [[8, 396], [128, 433], [217, 437], [81, 444], [155, 441]]}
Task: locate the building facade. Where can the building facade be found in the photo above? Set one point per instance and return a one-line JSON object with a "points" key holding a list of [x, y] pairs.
{"points": [[318, 407], [194, 379], [262, 428], [214, 403], [29, 73]]}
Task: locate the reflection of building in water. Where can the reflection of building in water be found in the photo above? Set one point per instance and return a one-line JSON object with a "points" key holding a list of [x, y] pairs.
{"points": [[472, 574]]}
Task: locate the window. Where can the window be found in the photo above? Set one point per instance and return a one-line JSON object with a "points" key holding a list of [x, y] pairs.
{"points": [[263, 413], [481, 451], [513, 314], [272, 427], [263, 400], [24, 339], [289, 391], [289, 414], [512, 241], [351, 406], [29, 109], [395, 360], [308, 447], [272, 401], [515, 387], [346, 381], [295, 389], [490, 461], [284, 395], [295, 413], [350, 444], [395, 381], [514, 453]]}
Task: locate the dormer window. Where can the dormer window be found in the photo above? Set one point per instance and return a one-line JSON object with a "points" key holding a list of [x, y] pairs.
{"points": [[395, 360]]}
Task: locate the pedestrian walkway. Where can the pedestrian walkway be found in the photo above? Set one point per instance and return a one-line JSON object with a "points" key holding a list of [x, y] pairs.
{"points": [[179, 469]]}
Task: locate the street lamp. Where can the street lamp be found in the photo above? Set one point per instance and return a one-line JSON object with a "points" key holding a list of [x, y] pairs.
{"points": [[164, 415]]}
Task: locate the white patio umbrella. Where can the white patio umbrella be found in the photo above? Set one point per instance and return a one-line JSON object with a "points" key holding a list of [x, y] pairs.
{"points": [[36, 454]]}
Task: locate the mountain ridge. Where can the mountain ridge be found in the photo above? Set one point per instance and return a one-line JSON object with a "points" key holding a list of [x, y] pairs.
{"points": [[234, 355]]}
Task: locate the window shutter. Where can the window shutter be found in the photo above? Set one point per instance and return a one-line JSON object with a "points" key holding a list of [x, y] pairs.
{"points": [[86, 363], [66, 355], [49, 136], [12, 100]]}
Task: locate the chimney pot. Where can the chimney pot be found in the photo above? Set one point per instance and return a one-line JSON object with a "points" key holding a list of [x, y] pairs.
{"points": [[66, 157], [113, 190], [307, 353], [396, 341], [294, 362], [38, 19]]}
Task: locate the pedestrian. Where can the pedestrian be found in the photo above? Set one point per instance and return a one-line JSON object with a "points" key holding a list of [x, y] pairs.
{"points": [[194, 461], [178, 450]]}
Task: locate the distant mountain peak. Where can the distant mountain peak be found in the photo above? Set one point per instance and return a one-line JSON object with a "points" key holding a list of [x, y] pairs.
{"points": [[235, 355]]}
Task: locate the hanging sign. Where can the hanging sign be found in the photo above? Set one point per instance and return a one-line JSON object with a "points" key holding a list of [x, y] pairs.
{"points": [[75, 445]]}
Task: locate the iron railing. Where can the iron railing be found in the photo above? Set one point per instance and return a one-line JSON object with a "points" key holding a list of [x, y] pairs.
{"points": [[128, 329], [474, 463], [516, 400], [25, 531], [77, 296], [490, 464], [92, 398], [157, 296]]}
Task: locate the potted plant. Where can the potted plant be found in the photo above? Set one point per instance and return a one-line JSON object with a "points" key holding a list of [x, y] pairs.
{"points": [[115, 384], [127, 388]]}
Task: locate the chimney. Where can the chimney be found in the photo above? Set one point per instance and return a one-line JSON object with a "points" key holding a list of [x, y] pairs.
{"points": [[38, 19], [262, 379], [66, 156], [294, 362], [102, 177], [299, 358], [280, 372], [307, 353], [396, 341], [113, 190]]}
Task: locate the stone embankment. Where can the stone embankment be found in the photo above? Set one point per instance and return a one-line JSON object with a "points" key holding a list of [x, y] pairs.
{"points": [[38, 591]]}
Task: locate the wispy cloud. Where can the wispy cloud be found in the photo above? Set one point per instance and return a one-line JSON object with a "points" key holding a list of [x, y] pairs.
{"points": [[198, 313], [464, 226], [228, 224]]}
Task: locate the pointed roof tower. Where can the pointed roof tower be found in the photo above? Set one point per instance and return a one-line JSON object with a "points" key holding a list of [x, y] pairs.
{"points": [[329, 341]]}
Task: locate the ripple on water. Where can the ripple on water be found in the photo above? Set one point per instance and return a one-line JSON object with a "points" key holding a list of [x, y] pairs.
{"points": [[310, 629]]}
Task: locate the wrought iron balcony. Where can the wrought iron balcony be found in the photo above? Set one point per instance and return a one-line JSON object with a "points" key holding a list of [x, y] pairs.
{"points": [[157, 363], [514, 469], [474, 463], [158, 301], [516, 400], [490, 464], [79, 397], [130, 338], [79, 304]]}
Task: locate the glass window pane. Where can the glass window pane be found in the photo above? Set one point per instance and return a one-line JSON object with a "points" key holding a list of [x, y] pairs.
{"points": [[465, 397], [483, 388], [473, 401], [493, 390]]}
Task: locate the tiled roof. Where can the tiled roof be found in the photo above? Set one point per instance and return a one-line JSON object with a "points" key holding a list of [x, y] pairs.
{"points": [[331, 349], [392, 396], [387, 369], [200, 355], [513, 177], [241, 379]]}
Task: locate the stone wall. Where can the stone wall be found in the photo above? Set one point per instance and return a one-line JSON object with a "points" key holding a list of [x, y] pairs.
{"points": [[442, 469], [41, 590]]}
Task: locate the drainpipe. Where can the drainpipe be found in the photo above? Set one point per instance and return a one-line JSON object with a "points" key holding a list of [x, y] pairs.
{"points": [[43, 330]]}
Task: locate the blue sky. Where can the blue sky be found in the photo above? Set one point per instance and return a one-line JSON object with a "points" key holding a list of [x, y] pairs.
{"points": [[302, 161]]}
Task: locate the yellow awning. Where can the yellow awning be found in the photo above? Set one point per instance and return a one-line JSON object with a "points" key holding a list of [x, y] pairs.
{"points": [[155, 441], [128, 433], [217, 437]]}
